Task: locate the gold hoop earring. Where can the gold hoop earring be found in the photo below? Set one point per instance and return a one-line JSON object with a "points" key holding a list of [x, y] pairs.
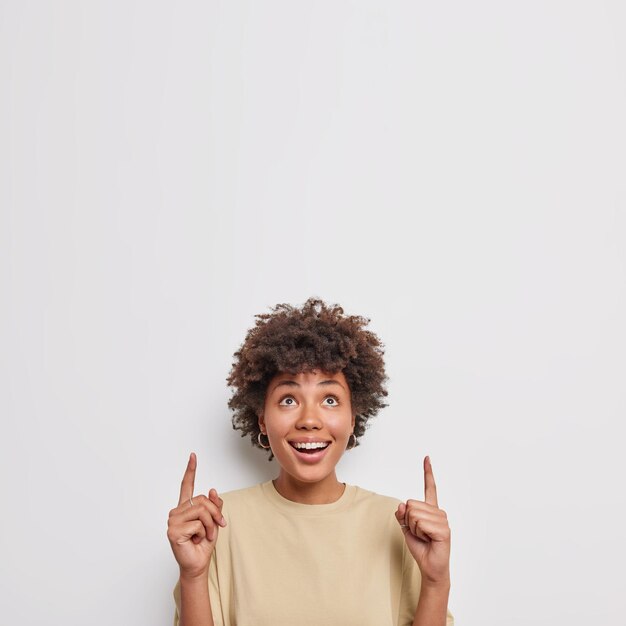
{"points": [[353, 443], [267, 447]]}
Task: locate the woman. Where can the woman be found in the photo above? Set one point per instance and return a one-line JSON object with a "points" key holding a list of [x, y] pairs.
{"points": [[305, 548]]}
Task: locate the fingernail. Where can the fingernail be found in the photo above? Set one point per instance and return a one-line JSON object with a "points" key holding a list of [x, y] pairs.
{"points": [[223, 522]]}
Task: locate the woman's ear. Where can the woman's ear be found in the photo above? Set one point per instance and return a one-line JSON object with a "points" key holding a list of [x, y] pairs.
{"points": [[353, 420], [261, 422]]}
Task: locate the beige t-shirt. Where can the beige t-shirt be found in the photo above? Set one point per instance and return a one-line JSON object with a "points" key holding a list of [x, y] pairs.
{"points": [[283, 563]]}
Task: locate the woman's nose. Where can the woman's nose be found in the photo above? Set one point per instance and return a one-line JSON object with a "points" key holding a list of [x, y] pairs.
{"points": [[309, 418]]}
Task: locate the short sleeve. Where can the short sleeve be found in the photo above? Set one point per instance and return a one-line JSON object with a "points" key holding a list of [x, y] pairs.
{"points": [[409, 593]]}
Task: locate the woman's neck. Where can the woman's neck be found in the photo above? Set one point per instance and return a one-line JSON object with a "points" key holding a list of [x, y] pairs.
{"points": [[324, 491]]}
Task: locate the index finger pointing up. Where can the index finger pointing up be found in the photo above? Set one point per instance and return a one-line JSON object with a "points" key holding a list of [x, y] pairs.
{"points": [[430, 489], [186, 487]]}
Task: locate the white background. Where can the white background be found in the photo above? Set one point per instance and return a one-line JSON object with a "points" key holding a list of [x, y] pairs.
{"points": [[452, 170]]}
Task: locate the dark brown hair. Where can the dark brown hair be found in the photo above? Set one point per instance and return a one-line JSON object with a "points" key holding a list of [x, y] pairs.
{"points": [[294, 340]]}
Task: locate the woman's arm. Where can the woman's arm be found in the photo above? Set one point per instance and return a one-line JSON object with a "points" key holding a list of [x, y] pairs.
{"points": [[427, 535], [195, 605], [432, 607], [192, 529]]}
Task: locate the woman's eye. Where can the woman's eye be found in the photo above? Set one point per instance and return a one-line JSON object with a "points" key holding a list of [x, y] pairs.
{"points": [[290, 401]]}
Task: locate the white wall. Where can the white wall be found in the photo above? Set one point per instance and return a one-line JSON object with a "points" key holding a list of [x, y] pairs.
{"points": [[454, 171]]}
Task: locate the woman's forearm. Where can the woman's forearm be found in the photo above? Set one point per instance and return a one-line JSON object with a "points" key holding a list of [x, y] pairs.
{"points": [[195, 605], [432, 607]]}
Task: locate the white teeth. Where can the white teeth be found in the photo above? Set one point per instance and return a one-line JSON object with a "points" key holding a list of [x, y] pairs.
{"points": [[310, 446]]}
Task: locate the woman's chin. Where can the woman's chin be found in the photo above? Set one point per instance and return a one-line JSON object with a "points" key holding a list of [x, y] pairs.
{"points": [[307, 471]]}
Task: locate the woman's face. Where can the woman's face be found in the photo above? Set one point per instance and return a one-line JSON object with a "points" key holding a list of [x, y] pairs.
{"points": [[311, 408]]}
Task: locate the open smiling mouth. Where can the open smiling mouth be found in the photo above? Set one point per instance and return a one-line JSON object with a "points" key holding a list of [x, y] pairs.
{"points": [[310, 451]]}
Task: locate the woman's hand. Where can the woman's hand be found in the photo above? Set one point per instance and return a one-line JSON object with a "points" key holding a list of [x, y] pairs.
{"points": [[426, 532], [193, 526]]}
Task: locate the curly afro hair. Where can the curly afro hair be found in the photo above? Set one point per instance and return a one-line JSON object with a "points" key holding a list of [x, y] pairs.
{"points": [[294, 340]]}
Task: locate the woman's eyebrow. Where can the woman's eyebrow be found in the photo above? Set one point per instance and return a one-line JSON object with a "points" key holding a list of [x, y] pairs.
{"points": [[293, 383]]}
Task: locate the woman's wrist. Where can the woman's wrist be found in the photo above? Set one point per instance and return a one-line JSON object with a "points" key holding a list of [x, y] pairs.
{"points": [[195, 604], [191, 580], [432, 606], [435, 588]]}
